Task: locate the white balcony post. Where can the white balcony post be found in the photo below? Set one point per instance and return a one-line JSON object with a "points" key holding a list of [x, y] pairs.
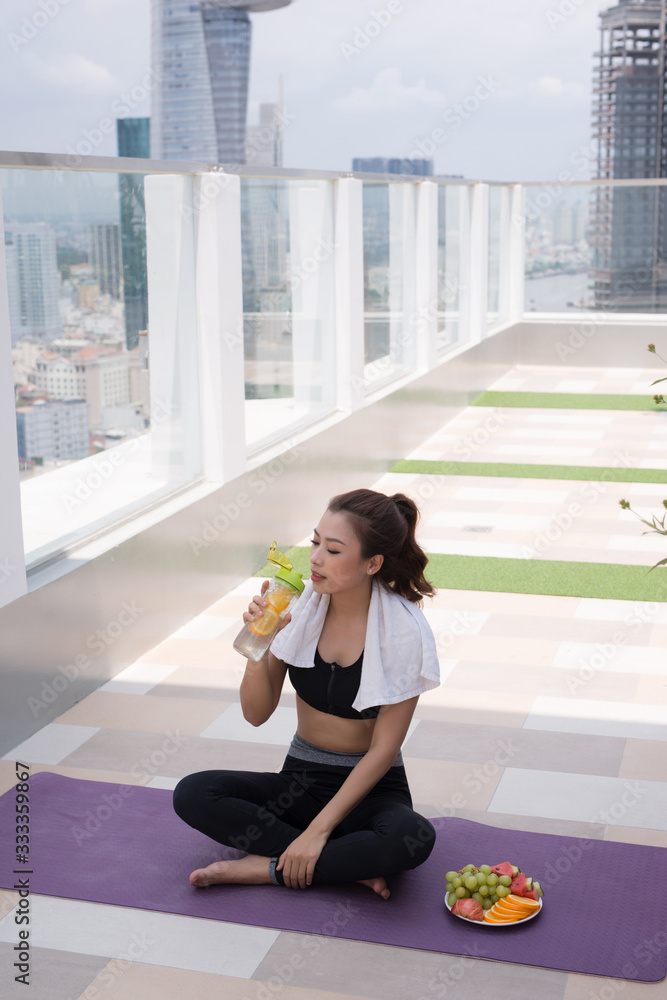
{"points": [[349, 276], [13, 582], [504, 254], [172, 327], [516, 278], [217, 206], [312, 250], [478, 262], [425, 325]]}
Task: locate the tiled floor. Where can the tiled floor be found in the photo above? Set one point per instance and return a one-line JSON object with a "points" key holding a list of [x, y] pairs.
{"points": [[577, 686]]}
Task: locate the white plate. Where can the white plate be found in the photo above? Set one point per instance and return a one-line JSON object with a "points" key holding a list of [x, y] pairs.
{"points": [[485, 923]]}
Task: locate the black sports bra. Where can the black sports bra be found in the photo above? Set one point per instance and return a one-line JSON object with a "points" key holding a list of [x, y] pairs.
{"points": [[330, 688]]}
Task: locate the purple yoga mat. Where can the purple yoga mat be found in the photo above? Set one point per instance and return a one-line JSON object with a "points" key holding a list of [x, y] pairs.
{"points": [[124, 845]]}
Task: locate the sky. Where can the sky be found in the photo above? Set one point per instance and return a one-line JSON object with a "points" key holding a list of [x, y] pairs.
{"points": [[490, 89]]}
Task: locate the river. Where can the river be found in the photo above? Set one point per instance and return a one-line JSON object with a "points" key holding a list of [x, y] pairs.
{"points": [[552, 293]]}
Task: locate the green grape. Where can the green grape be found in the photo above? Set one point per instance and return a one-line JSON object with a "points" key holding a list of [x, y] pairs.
{"points": [[468, 868], [486, 903], [450, 876], [505, 880], [493, 897], [502, 891], [461, 893], [477, 897], [481, 878], [456, 882], [484, 890], [492, 879], [451, 898], [486, 869], [471, 883], [449, 887]]}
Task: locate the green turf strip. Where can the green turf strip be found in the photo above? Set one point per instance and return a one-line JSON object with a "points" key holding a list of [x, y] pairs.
{"points": [[530, 576], [568, 401], [508, 470]]}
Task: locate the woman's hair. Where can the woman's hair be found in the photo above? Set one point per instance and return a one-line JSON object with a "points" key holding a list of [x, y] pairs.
{"points": [[386, 526]]}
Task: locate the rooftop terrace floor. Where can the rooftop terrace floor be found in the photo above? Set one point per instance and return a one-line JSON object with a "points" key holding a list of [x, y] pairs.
{"points": [[511, 670]]}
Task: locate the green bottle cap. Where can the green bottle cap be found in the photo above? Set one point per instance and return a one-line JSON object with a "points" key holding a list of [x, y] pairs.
{"points": [[292, 577]]}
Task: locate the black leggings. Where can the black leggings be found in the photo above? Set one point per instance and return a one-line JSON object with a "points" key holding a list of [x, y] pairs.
{"points": [[263, 812]]}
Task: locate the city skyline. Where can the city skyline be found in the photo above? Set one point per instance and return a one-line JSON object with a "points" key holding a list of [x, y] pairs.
{"points": [[387, 79]]}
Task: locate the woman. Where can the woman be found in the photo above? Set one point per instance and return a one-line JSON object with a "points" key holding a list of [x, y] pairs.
{"points": [[340, 809]]}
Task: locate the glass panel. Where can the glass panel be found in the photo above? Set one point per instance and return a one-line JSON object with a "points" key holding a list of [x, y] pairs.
{"points": [[452, 241], [287, 229], [100, 432], [498, 289], [559, 248], [389, 234]]}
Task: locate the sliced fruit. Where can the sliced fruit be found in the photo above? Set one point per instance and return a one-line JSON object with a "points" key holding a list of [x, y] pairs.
{"points": [[279, 599], [537, 888], [266, 623], [520, 885], [522, 901], [504, 868], [502, 906], [491, 918]]}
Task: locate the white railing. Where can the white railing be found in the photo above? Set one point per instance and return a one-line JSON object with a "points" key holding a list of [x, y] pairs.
{"points": [[276, 301]]}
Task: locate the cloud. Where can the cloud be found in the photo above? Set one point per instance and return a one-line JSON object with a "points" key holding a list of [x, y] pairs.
{"points": [[553, 86], [72, 72], [387, 92]]}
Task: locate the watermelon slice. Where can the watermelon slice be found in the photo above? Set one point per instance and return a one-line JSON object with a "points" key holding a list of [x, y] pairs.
{"points": [[531, 894], [505, 868], [521, 885]]}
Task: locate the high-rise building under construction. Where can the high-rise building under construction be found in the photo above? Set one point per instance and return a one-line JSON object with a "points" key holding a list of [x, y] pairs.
{"points": [[201, 60], [629, 224]]}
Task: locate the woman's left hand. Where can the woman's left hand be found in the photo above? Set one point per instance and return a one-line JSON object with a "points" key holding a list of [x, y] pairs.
{"points": [[297, 862]]}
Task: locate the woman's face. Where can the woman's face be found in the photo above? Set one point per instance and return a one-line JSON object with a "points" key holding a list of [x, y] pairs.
{"points": [[335, 556]]}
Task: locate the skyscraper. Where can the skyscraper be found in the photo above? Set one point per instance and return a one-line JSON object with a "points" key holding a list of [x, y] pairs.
{"points": [[201, 59], [133, 140], [133, 135], [393, 165], [105, 257], [32, 274], [628, 225]]}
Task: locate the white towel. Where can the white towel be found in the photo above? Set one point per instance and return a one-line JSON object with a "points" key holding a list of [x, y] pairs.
{"points": [[400, 658]]}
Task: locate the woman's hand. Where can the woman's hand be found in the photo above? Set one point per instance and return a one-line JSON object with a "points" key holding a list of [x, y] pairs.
{"points": [[298, 861], [257, 606]]}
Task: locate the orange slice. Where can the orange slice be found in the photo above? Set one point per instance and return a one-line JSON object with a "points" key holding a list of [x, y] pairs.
{"points": [[502, 905], [512, 913], [491, 918], [279, 599], [531, 904], [266, 623]]}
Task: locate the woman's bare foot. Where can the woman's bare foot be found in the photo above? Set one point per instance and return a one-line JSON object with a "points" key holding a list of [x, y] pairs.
{"points": [[254, 870], [251, 870], [378, 885]]}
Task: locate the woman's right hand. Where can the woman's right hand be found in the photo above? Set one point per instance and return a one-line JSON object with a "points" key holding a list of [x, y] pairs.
{"points": [[258, 605]]}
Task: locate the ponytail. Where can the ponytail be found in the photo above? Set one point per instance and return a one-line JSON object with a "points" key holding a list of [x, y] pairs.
{"points": [[386, 526]]}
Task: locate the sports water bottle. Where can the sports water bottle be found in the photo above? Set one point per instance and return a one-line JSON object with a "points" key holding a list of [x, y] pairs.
{"points": [[283, 591]]}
